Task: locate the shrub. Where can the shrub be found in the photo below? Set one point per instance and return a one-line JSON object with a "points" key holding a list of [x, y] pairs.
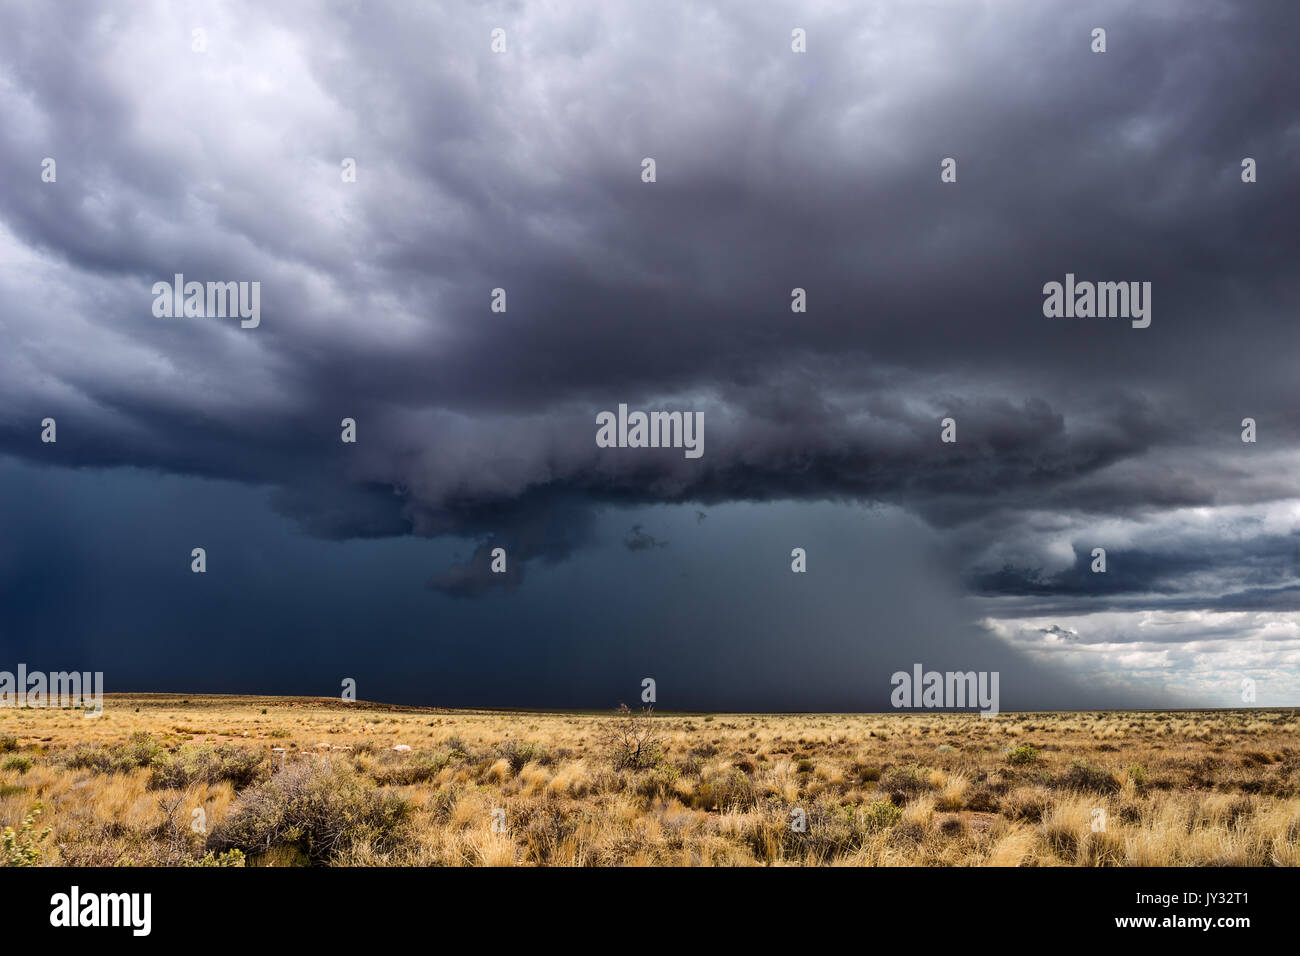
{"points": [[138, 751], [89, 757], [659, 783], [1085, 776], [202, 764], [314, 808], [517, 754], [881, 815], [725, 791], [632, 740], [1029, 804], [8, 742], [903, 782], [1023, 755], [23, 848], [983, 800], [830, 830], [18, 762], [230, 858], [867, 773], [420, 767]]}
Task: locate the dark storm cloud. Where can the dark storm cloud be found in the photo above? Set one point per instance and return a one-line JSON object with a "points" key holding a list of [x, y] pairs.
{"points": [[775, 170], [638, 539]]}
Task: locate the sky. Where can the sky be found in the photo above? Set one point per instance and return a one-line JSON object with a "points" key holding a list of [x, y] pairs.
{"points": [[217, 141]]}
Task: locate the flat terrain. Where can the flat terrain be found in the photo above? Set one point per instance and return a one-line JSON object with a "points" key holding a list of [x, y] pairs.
{"points": [[172, 780]]}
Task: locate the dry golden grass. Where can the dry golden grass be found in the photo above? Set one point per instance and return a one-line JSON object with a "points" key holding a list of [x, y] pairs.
{"points": [[525, 788]]}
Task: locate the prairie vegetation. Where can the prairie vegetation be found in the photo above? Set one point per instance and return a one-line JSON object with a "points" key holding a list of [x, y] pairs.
{"points": [[193, 781]]}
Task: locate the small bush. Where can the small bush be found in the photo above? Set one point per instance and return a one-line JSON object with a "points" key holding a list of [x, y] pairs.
{"points": [[230, 858], [1085, 776], [659, 783], [903, 782], [24, 847], [1023, 755], [18, 762], [1030, 805], [202, 764], [867, 773], [421, 767], [8, 742], [881, 815], [89, 757], [829, 830], [315, 808], [517, 754], [138, 751], [632, 740], [725, 791]]}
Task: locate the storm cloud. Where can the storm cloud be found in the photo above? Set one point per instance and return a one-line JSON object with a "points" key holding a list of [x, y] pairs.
{"points": [[775, 170]]}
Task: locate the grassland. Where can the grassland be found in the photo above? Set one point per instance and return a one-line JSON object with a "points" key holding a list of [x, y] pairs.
{"points": [[170, 780]]}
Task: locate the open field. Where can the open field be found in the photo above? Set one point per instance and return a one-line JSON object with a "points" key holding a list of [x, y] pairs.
{"points": [[171, 780]]}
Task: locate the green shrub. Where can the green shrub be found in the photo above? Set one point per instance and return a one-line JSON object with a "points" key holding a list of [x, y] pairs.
{"points": [[8, 742], [138, 751], [89, 757], [192, 765], [867, 773], [23, 848], [1023, 755], [881, 815], [18, 762], [230, 858]]}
